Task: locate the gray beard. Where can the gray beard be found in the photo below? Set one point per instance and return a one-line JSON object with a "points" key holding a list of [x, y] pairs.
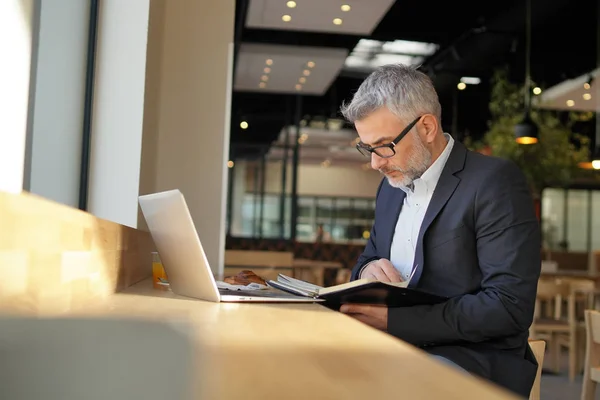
{"points": [[418, 162]]}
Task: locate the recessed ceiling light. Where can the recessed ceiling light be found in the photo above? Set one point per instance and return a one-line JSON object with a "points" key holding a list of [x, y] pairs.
{"points": [[537, 90], [346, 7], [286, 18], [337, 21], [230, 164], [291, 4], [306, 72], [461, 86], [302, 79], [267, 70], [269, 61], [587, 86], [298, 86], [264, 78], [262, 85], [587, 96], [471, 80], [570, 103], [244, 125], [310, 64]]}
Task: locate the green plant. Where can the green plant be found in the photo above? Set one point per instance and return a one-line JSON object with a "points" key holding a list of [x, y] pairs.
{"points": [[555, 159]]}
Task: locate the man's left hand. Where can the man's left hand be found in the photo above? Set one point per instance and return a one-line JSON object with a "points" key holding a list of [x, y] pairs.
{"points": [[375, 316]]}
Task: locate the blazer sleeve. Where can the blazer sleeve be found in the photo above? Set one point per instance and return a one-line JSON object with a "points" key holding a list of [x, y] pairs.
{"points": [[370, 252], [508, 251]]}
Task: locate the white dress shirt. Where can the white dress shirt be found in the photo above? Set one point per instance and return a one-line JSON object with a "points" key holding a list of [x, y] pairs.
{"points": [[404, 242]]}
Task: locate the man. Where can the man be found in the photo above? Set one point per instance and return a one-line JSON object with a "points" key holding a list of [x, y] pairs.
{"points": [[454, 223]]}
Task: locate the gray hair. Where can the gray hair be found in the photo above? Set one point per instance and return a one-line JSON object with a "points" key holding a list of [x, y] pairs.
{"points": [[405, 91]]}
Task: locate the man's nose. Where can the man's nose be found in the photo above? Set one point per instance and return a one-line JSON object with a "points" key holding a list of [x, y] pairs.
{"points": [[376, 161]]}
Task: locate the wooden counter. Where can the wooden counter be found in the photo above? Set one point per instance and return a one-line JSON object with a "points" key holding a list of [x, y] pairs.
{"points": [[60, 262], [299, 351]]}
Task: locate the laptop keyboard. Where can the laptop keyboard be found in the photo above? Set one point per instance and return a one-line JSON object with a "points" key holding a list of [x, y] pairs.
{"points": [[258, 293]]}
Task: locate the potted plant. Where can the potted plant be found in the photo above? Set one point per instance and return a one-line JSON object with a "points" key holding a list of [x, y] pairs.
{"points": [[554, 160]]}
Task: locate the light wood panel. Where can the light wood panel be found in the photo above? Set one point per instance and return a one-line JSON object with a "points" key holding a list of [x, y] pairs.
{"points": [[254, 258], [297, 351], [54, 258]]}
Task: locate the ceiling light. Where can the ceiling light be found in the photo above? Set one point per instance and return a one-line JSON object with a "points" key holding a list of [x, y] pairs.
{"points": [[570, 103], [269, 61], [461, 86], [302, 79], [244, 125], [470, 80], [267, 70], [370, 54], [587, 86], [264, 78], [298, 86], [346, 7], [291, 4], [587, 96], [537, 90], [262, 85], [310, 64], [306, 72], [337, 21], [230, 164], [526, 132], [286, 18]]}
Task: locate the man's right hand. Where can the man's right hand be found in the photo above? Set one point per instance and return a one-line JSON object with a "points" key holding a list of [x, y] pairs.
{"points": [[382, 270]]}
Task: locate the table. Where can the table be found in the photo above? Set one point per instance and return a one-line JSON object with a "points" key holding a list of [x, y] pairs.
{"points": [[313, 270], [297, 351]]}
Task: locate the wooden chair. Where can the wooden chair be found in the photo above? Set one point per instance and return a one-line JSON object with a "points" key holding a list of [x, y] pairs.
{"points": [[550, 325], [591, 371], [583, 292], [538, 348]]}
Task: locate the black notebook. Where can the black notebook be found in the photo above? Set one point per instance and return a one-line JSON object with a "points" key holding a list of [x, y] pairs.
{"points": [[362, 291]]}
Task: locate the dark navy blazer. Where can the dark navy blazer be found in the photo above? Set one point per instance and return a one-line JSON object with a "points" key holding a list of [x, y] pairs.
{"points": [[479, 244]]}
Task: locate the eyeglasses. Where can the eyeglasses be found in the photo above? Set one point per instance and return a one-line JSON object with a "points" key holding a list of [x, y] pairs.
{"points": [[385, 150]]}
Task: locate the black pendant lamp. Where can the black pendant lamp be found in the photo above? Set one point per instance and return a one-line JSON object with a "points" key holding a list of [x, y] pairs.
{"points": [[527, 132]]}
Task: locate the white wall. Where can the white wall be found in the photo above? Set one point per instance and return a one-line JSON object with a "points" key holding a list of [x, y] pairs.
{"points": [[16, 18], [193, 112], [57, 119], [343, 181], [118, 110], [151, 103]]}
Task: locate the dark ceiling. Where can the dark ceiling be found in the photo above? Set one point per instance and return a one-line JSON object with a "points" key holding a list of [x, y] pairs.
{"points": [[474, 38]]}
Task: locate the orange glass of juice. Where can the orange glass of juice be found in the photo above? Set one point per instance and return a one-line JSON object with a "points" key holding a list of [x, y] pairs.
{"points": [[159, 276]]}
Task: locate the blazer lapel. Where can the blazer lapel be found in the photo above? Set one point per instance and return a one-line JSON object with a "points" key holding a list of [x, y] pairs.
{"points": [[386, 230], [445, 188]]}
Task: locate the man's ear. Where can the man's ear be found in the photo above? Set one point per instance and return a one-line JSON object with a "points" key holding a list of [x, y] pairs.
{"points": [[429, 128]]}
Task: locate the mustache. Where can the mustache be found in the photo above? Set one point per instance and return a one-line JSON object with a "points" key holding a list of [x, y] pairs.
{"points": [[388, 170]]}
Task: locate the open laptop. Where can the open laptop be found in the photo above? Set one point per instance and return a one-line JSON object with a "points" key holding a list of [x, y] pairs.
{"points": [[183, 257]]}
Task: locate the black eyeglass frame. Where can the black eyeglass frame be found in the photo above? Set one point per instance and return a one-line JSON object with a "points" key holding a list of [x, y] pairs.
{"points": [[360, 146]]}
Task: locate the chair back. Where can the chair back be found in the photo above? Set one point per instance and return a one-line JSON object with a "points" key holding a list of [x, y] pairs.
{"points": [[538, 348]]}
